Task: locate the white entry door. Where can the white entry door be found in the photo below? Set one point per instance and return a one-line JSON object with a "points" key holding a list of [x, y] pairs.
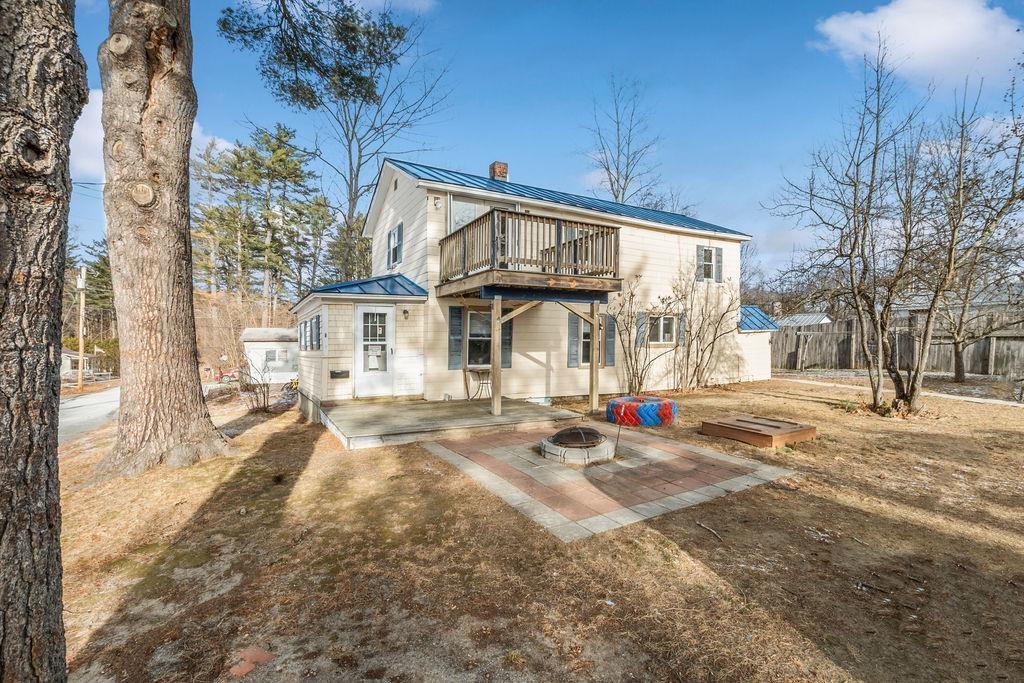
{"points": [[375, 350]]}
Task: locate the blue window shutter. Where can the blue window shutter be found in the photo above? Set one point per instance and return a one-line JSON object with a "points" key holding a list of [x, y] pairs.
{"points": [[506, 344], [641, 329], [609, 340], [455, 316], [400, 239], [700, 263], [680, 327], [574, 341], [718, 264]]}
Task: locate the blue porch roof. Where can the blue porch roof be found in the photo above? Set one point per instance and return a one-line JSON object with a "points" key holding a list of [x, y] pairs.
{"points": [[440, 175], [382, 285], [753, 319]]}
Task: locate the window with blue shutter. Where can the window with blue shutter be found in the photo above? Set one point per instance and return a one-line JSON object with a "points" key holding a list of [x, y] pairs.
{"points": [[574, 341], [455, 326], [609, 340], [396, 237], [641, 329]]}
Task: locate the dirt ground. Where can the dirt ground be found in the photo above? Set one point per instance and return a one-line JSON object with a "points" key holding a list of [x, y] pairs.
{"points": [[88, 388], [895, 554], [976, 386]]}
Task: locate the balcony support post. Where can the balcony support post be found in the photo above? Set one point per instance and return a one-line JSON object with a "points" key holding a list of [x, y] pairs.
{"points": [[496, 356], [596, 344]]}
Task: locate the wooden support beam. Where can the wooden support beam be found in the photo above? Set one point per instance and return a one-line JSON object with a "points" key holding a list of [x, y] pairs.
{"points": [[518, 311], [595, 357], [496, 356], [584, 316]]}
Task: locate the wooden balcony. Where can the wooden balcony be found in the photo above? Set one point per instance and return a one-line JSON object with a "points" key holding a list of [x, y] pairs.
{"points": [[524, 251]]}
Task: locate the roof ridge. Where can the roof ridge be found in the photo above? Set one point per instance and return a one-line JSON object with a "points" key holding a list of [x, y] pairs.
{"points": [[581, 201]]}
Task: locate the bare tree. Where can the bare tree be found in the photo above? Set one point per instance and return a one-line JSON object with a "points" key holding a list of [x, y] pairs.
{"points": [[986, 297], [632, 310], [398, 92], [149, 106], [862, 199], [975, 182], [623, 145], [708, 316], [42, 92]]}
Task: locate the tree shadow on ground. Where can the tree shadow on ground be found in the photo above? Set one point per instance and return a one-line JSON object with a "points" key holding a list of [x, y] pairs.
{"points": [[171, 620], [882, 598]]}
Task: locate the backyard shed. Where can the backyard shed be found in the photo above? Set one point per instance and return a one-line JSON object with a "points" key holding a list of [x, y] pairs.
{"points": [[271, 354]]}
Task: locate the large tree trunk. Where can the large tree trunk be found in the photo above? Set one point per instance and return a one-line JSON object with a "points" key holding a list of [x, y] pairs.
{"points": [[42, 91], [149, 106], [959, 368]]}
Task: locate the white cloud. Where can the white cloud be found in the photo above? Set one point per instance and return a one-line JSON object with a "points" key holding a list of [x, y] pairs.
{"points": [[87, 141], [200, 139], [931, 40]]}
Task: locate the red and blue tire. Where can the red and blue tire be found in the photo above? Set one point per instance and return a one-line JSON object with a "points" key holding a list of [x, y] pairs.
{"points": [[642, 411]]}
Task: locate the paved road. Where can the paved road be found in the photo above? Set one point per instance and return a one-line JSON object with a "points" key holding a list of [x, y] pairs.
{"points": [[80, 414]]}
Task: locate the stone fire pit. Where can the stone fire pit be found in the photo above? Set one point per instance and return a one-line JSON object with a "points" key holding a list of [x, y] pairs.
{"points": [[578, 446]]}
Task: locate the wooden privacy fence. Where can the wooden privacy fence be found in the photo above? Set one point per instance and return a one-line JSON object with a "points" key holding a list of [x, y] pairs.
{"points": [[836, 346]]}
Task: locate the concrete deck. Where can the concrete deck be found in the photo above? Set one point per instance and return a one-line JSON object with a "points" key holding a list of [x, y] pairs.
{"points": [[371, 424]]}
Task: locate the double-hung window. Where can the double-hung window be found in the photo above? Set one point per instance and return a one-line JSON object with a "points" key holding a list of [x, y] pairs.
{"points": [[709, 263], [396, 239], [478, 344], [661, 329], [586, 339]]}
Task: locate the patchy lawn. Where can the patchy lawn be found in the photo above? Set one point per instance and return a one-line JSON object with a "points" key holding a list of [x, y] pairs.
{"points": [[896, 554], [973, 386]]}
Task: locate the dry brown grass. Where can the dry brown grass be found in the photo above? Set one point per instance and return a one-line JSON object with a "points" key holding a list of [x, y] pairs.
{"points": [[896, 555]]}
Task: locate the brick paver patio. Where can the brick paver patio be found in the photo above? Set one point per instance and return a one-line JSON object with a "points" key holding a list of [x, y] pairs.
{"points": [[649, 476]]}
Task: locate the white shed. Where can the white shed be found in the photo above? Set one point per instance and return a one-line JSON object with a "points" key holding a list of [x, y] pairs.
{"points": [[272, 354]]}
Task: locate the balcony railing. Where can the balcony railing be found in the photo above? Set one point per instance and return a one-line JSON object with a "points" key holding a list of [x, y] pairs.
{"points": [[512, 240]]}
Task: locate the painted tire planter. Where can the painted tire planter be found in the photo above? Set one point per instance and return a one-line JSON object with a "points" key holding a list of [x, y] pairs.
{"points": [[642, 411]]}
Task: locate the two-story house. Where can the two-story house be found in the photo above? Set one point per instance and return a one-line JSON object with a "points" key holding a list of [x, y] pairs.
{"points": [[483, 286]]}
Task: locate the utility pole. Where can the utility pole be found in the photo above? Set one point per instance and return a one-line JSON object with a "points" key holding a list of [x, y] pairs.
{"points": [[81, 325]]}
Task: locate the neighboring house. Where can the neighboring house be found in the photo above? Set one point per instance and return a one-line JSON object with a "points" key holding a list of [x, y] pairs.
{"points": [[801, 319], [69, 364], [451, 251], [271, 353]]}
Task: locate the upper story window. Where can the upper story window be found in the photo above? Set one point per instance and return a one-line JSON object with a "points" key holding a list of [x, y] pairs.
{"points": [[396, 239], [465, 211], [709, 263]]}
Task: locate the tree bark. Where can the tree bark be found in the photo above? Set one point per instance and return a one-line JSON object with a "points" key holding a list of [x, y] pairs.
{"points": [[42, 92], [149, 106], [959, 369]]}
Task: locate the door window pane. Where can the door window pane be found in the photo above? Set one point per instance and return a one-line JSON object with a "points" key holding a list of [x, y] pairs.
{"points": [[375, 337]]}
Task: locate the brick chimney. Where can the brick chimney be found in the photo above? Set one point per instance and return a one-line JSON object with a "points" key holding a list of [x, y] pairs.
{"points": [[498, 170]]}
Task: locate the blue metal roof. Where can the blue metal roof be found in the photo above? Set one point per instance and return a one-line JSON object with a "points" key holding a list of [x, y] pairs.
{"points": [[440, 175], [382, 285], [753, 319]]}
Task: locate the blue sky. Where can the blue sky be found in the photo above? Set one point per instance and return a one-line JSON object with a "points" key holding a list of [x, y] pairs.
{"points": [[740, 92]]}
